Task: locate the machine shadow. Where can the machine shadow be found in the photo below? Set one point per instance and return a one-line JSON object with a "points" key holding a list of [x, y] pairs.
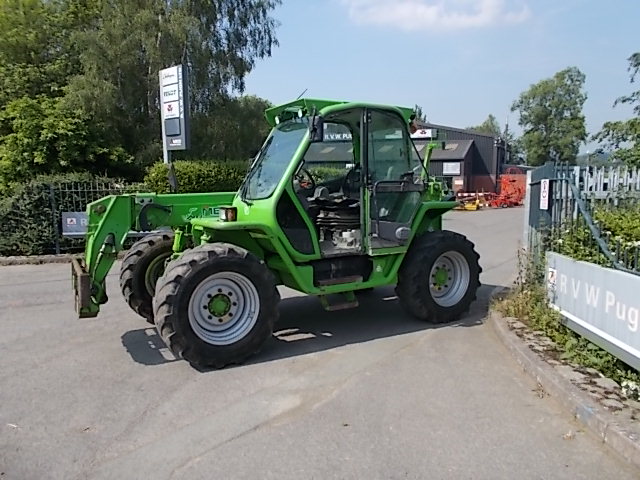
{"points": [[304, 327], [146, 347]]}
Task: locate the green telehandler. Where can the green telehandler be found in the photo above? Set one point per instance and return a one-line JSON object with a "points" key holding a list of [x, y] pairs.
{"points": [[207, 272]]}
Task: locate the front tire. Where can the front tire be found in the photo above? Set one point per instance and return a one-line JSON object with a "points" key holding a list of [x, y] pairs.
{"points": [[439, 277], [216, 305], [141, 267]]}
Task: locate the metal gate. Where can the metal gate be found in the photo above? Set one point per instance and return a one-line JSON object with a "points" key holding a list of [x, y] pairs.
{"points": [[562, 200]]}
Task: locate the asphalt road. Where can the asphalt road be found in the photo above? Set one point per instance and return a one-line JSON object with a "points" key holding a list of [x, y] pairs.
{"points": [[365, 394]]}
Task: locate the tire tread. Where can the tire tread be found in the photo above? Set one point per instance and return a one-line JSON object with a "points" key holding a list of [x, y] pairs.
{"points": [[167, 298], [412, 288], [129, 274]]}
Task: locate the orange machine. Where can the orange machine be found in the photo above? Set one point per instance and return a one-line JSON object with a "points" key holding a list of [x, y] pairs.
{"points": [[512, 189]]}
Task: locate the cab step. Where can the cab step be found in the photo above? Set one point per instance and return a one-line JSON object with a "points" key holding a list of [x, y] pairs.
{"points": [[339, 281], [350, 301]]}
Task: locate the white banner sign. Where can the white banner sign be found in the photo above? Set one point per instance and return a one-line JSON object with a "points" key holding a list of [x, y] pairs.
{"points": [[599, 303]]}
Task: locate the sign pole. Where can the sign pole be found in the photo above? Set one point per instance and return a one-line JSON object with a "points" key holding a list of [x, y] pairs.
{"points": [[166, 155], [174, 114], [166, 159]]}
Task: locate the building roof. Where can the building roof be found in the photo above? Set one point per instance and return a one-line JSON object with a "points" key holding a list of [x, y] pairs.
{"points": [[427, 125], [453, 150]]}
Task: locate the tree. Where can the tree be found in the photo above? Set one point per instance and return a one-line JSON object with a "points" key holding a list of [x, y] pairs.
{"points": [[39, 132], [27, 50], [624, 136], [88, 71], [489, 127], [420, 115], [42, 135], [552, 119], [219, 41], [37, 53], [513, 145], [235, 130]]}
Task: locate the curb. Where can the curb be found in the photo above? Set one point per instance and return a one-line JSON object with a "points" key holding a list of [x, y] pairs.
{"points": [[585, 409], [36, 259], [45, 259]]}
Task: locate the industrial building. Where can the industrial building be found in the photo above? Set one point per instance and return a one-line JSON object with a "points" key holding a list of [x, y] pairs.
{"points": [[469, 162]]}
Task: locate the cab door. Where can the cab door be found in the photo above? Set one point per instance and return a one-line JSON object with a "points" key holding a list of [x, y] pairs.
{"points": [[394, 186]]}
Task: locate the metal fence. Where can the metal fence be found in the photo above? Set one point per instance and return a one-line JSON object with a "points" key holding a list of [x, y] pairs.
{"points": [[571, 216], [73, 197], [31, 219], [577, 200]]}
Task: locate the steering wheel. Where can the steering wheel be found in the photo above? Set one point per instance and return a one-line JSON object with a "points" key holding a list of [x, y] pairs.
{"points": [[351, 180], [305, 180]]}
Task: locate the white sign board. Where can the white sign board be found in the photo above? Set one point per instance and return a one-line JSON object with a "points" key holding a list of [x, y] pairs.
{"points": [[174, 109], [169, 76], [544, 194], [170, 93], [599, 303], [425, 133], [451, 168], [171, 110]]}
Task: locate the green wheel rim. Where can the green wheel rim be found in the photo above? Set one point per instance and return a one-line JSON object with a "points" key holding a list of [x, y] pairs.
{"points": [[223, 308], [449, 279], [154, 272]]}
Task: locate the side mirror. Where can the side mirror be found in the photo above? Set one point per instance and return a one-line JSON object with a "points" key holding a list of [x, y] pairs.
{"points": [[317, 129]]}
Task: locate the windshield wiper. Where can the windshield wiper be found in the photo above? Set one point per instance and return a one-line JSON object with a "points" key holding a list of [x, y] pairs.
{"points": [[243, 191]]}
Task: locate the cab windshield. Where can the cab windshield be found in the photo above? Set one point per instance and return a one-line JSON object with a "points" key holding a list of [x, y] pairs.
{"points": [[272, 161]]}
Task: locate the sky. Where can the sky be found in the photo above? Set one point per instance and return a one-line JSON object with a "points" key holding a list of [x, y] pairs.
{"points": [[460, 60]]}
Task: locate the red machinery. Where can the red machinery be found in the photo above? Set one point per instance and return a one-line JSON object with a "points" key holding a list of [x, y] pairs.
{"points": [[512, 189]]}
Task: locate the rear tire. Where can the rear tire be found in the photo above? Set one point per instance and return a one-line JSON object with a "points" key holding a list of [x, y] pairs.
{"points": [[439, 277], [141, 267], [216, 305]]}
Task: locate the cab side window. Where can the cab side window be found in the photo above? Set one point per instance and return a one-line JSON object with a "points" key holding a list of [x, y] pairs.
{"points": [[389, 153]]}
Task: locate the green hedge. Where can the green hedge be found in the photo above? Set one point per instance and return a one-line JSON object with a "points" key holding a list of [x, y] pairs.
{"points": [[529, 304], [198, 176], [621, 224], [211, 176], [27, 218], [29, 224], [323, 174]]}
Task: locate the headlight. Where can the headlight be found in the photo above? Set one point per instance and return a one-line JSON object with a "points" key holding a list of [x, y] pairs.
{"points": [[228, 214]]}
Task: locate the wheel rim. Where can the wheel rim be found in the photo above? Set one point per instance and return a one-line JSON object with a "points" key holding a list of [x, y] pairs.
{"points": [[154, 272], [223, 308], [449, 279]]}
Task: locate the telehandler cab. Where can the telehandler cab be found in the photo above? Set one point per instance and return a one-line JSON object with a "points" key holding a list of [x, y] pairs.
{"points": [[207, 273]]}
